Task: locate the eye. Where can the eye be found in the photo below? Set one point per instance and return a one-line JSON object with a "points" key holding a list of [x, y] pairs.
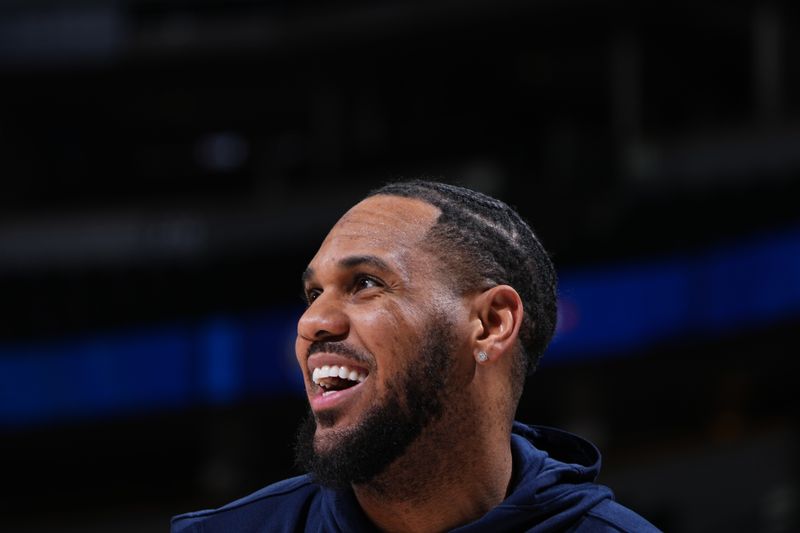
{"points": [[311, 295], [366, 282]]}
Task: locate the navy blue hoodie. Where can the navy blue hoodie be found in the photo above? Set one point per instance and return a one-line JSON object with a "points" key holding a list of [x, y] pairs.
{"points": [[553, 489]]}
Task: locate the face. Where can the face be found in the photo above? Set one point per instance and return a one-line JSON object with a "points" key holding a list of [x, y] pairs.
{"points": [[387, 428], [381, 328]]}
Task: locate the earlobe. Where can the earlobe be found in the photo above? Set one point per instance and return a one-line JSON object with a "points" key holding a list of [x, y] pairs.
{"points": [[500, 312]]}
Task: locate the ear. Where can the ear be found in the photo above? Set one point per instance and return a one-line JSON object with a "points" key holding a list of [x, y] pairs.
{"points": [[499, 313]]}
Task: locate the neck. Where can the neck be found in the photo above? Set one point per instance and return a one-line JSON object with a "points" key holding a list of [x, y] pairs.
{"points": [[443, 480]]}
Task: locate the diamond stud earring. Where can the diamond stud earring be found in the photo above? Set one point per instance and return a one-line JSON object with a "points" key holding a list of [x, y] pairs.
{"points": [[482, 357]]}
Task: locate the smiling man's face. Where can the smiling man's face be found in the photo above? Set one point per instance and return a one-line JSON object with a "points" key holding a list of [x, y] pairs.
{"points": [[378, 338]]}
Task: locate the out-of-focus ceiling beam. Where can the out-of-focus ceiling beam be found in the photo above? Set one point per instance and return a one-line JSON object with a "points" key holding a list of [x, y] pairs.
{"points": [[141, 237]]}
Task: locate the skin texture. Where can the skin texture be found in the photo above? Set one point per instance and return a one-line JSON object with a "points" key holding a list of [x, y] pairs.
{"points": [[373, 289]]}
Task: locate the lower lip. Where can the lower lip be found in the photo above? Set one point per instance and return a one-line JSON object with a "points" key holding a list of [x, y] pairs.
{"points": [[335, 399]]}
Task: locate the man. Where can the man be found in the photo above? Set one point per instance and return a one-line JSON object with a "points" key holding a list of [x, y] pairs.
{"points": [[427, 306]]}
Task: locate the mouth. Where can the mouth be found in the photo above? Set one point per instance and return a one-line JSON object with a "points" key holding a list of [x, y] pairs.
{"points": [[336, 382], [335, 378]]}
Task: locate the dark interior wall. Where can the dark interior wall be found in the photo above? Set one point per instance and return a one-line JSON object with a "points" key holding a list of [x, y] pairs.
{"points": [[168, 161]]}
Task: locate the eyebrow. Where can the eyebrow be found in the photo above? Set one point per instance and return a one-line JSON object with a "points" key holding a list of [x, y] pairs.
{"points": [[349, 263], [358, 260]]}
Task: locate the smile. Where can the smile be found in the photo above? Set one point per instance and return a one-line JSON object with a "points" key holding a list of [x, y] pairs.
{"points": [[334, 378]]}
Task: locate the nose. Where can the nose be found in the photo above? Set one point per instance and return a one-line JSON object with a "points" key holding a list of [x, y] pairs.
{"points": [[323, 320]]}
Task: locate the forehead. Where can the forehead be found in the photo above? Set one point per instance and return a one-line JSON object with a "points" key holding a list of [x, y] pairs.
{"points": [[386, 225]]}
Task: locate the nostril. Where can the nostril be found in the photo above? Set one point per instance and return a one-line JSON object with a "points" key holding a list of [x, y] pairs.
{"points": [[327, 335]]}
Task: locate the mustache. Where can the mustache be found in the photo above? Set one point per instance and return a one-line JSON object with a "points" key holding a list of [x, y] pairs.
{"points": [[340, 348]]}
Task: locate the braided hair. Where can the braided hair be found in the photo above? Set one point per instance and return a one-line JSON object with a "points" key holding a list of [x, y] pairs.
{"points": [[483, 242]]}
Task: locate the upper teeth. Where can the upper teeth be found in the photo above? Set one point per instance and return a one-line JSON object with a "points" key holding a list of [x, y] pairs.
{"points": [[335, 371]]}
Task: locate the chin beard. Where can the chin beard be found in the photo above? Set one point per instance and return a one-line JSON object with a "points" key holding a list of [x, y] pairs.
{"points": [[358, 455]]}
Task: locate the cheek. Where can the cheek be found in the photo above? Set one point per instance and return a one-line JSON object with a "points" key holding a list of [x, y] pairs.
{"points": [[390, 333]]}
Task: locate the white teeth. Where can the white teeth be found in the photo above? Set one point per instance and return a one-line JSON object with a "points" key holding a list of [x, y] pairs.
{"points": [[336, 371]]}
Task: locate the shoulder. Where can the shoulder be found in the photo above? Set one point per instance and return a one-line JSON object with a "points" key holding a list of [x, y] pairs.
{"points": [[610, 516], [285, 502]]}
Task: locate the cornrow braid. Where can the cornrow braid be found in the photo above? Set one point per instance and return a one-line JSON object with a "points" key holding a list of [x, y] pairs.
{"points": [[484, 242]]}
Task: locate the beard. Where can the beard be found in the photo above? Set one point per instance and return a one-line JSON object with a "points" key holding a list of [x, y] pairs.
{"points": [[362, 453]]}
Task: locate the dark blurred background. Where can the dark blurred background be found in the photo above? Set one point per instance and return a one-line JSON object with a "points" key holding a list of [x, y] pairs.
{"points": [[168, 168]]}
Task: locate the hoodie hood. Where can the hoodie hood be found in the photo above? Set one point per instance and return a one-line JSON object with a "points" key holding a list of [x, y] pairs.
{"points": [[552, 486]]}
